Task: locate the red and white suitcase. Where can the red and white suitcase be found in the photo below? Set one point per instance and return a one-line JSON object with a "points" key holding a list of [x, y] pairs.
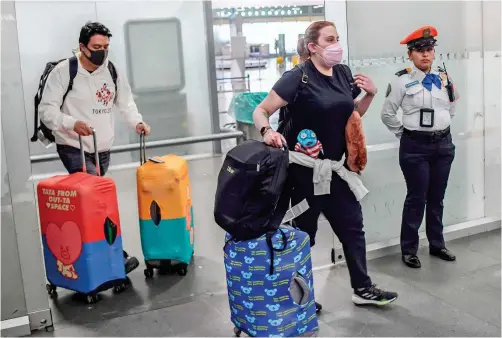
{"points": [[81, 233]]}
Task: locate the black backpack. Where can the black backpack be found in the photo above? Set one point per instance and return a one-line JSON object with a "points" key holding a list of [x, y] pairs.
{"points": [[47, 133], [252, 195]]}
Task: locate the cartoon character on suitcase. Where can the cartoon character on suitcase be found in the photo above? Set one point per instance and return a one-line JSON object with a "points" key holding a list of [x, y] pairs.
{"points": [[81, 234], [165, 213], [277, 302]]}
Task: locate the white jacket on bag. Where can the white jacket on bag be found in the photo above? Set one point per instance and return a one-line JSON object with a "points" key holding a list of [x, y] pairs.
{"points": [[91, 100]]}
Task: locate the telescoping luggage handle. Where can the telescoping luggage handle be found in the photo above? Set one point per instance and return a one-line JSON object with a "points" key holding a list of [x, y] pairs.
{"points": [[96, 155], [142, 151], [142, 148]]}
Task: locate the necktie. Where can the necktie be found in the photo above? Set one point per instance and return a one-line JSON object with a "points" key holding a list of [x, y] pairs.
{"points": [[429, 80]]}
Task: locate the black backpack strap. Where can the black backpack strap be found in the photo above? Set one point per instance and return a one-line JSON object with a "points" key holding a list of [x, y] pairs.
{"points": [[113, 73], [348, 75], [303, 82], [73, 73], [284, 116], [282, 205]]}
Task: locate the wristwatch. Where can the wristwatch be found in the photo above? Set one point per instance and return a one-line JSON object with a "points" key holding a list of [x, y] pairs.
{"points": [[263, 130]]}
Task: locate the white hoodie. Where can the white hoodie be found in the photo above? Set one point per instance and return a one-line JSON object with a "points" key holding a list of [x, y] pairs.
{"points": [[91, 100]]}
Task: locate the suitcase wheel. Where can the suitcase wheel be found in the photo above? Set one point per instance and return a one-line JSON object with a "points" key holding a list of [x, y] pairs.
{"points": [[182, 269], [148, 273], [91, 299], [237, 331], [51, 290], [122, 287], [119, 288]]}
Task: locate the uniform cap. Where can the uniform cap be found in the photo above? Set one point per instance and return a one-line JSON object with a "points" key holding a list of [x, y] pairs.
{"points": [[421, 38]]}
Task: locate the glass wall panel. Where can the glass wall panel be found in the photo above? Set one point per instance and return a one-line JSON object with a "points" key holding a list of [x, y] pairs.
{"points": [[492, 88], [374, 32], [160, 48]]}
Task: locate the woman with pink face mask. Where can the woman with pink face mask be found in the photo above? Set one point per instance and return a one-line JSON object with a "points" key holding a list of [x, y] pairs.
{"points": [[320, 95]]}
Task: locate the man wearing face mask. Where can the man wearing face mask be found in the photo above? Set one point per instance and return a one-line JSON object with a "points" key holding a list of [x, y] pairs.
{"points": [[321, 95], [89, 104]]}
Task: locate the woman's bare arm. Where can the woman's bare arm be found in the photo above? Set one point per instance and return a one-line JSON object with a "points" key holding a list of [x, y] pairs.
{"points": [[266, 108], [362, 105]]}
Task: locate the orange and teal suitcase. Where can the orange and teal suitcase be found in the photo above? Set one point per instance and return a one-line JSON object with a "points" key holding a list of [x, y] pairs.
{"points": [[165, 213]]}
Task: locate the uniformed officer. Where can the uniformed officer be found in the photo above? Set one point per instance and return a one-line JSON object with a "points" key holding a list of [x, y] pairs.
{"points": [[427, 98]]}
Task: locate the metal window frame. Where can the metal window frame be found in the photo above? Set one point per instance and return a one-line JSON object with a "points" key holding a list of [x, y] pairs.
{"points": [[239, 135], [17, 154], [211, 73]]}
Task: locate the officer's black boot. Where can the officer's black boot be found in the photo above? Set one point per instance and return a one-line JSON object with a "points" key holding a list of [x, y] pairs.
{"points": [[444, 254], [412, 261]]}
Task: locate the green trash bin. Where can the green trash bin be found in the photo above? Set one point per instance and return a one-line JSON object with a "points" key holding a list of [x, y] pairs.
{"points": [[241, 108]]}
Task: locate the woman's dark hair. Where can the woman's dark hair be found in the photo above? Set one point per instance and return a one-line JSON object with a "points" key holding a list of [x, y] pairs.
{"points": [[312, 34], [90, 29]]}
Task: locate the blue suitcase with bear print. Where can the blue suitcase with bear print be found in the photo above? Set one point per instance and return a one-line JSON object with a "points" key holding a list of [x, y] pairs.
{"points": [[271, 300]]}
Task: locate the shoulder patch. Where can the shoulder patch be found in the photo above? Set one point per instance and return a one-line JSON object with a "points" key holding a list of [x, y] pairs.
{"points": [[404, 71]]}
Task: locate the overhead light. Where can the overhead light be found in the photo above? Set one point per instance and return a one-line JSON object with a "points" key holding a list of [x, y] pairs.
{"points": [[282, 12]]}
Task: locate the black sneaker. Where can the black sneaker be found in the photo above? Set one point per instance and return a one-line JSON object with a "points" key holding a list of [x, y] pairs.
{"points": [[130, 263], [373, 295], [318, 307]]}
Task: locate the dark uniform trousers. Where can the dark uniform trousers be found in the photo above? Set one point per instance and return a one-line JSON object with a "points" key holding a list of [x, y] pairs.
{"points": [[343, 213], [425, 161]]}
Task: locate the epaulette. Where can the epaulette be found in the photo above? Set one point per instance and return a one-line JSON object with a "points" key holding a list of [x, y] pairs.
{"points": [[404, 71]]}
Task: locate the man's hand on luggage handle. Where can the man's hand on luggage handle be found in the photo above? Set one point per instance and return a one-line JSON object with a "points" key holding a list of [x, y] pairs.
{"points": [[81, 128], [142, 126]]}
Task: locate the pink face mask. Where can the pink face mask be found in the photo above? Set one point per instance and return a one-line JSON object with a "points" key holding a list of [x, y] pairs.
{"points": [[332, 55]]}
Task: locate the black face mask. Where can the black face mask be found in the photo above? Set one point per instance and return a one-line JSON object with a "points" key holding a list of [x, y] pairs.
{"points": [[97, 57]]}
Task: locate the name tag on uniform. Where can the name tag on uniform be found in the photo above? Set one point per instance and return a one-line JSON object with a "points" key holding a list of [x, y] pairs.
{"points": [[426, 117], [412, 84]]}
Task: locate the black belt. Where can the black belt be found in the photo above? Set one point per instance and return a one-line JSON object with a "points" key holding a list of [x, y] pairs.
{"points": [[427, 136]]}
